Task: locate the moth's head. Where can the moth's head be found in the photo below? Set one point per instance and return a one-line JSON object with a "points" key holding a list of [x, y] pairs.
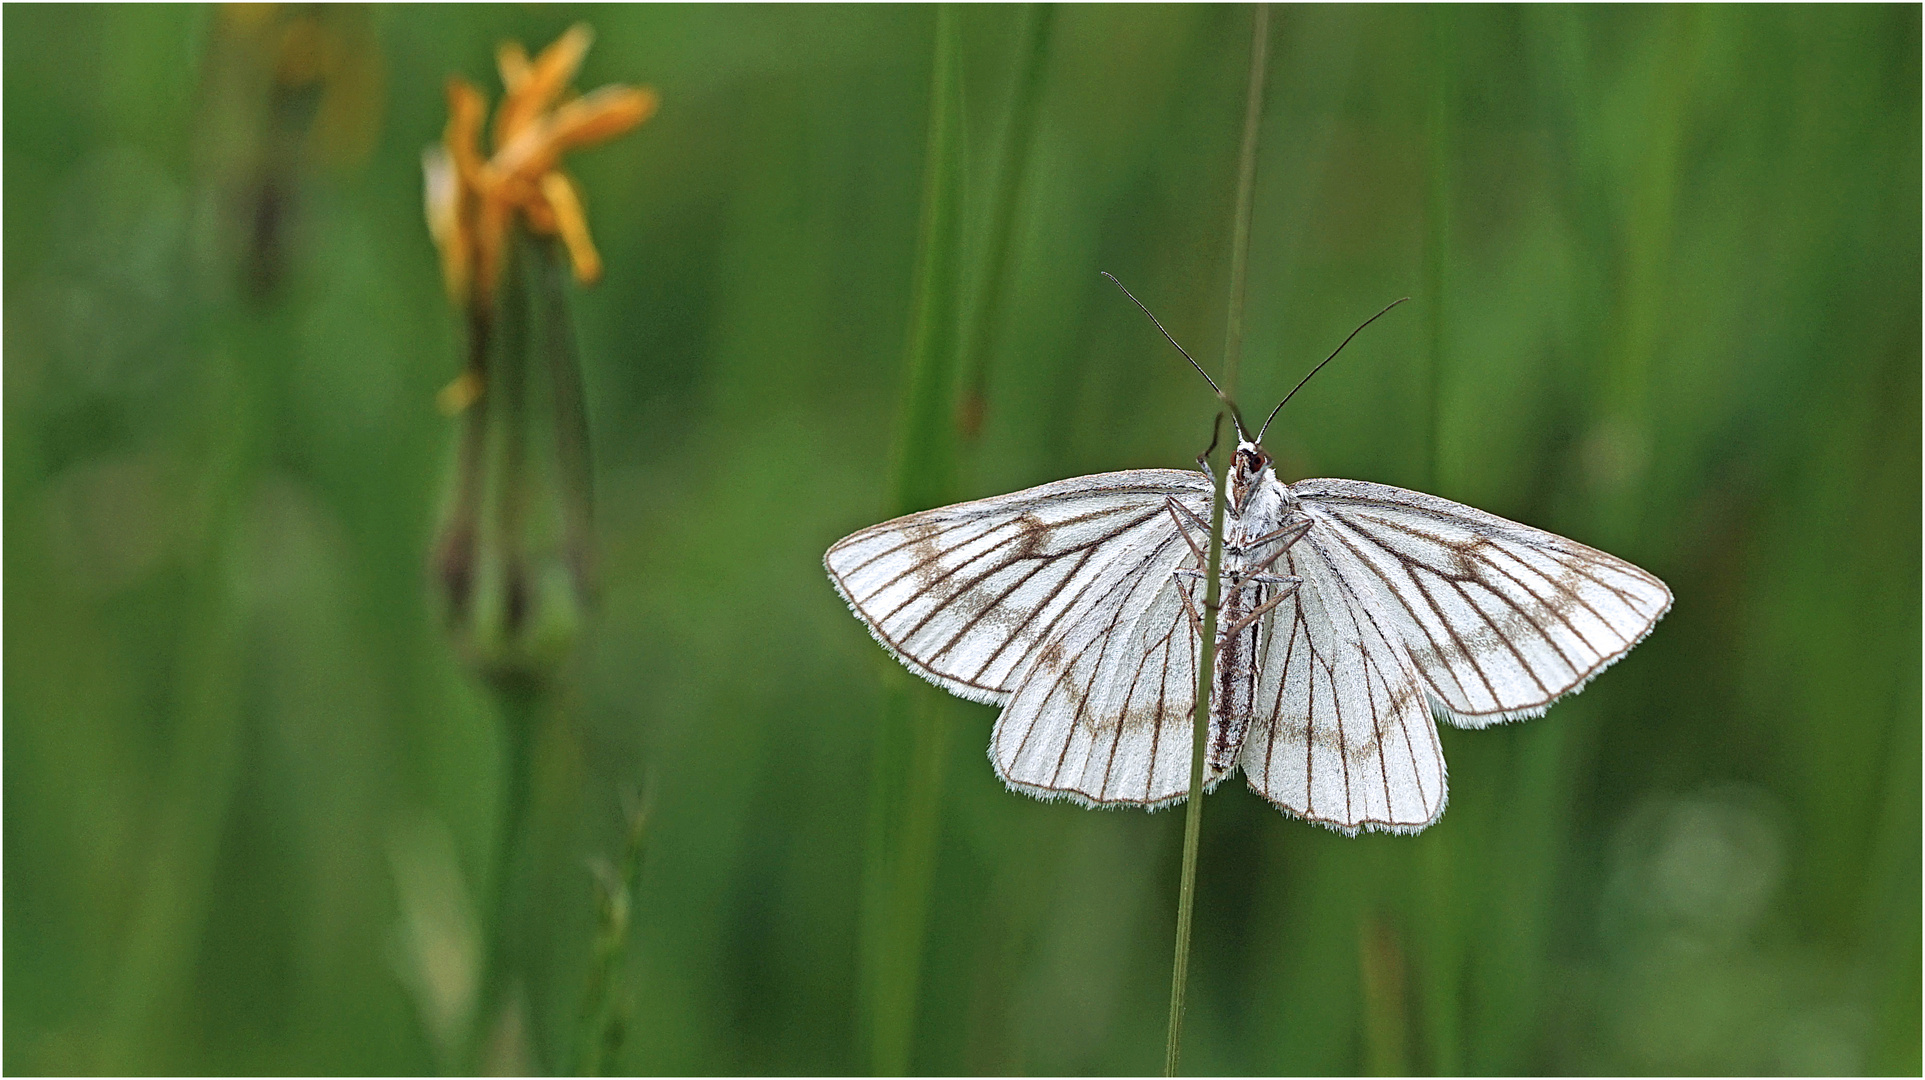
{"points": [[1247, 467]]}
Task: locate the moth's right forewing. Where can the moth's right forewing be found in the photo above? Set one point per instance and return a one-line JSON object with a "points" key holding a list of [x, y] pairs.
{"points": [[967, 595]]}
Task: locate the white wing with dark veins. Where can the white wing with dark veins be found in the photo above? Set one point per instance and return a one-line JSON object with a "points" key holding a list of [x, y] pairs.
{"points": [[968, 596], [1060, 602], [1342, 734], [1501, 619]]}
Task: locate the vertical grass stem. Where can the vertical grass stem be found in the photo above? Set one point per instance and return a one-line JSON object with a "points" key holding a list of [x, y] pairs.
{"points": [[911, 750], [1442, 956], [1012, 170], [1206, 676]]}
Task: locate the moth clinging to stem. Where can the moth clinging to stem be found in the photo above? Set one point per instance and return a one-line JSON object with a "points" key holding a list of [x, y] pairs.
{"points": [[1352, 615]]}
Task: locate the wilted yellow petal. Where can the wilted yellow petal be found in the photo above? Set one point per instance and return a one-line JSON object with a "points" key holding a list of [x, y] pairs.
{"points": [[602, 115], [572, 224], [558, 63], [464, 391], [472, 201], [441, 196]]}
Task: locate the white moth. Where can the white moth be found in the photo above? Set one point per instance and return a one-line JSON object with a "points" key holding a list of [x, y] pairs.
{"points": [[1352, 614]]}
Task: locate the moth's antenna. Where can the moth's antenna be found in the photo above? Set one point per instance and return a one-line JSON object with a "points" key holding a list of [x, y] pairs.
{"points": [[1236, 415], [1319, 367]]}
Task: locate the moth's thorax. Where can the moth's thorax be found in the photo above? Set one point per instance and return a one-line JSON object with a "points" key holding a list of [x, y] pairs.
{"points": [[1258, 500]]}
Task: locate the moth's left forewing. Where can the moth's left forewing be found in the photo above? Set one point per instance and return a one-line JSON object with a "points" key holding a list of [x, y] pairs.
{"points": [[967, 595], [1501, 618]]}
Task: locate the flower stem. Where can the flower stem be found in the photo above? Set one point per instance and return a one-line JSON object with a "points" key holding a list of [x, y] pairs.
{"points": [[506, 960], [1206, 675]]}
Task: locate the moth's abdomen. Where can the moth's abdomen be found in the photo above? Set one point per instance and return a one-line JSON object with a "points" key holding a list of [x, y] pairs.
{"points": [[1233, 698]]}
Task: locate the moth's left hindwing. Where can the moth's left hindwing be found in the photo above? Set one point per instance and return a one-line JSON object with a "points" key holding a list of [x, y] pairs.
{"points": [[969, 596]]}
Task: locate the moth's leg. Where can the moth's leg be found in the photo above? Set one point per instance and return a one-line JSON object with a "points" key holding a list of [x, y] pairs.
{"points": [[1289, 534], [1189, 606], [1294, 531], [1289, 590], [1178, 513], [1203, 459]]}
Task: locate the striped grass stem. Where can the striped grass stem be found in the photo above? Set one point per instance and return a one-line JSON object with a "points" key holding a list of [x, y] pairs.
{"points": [[1012, 170], [1200, 725], [912, 745]]}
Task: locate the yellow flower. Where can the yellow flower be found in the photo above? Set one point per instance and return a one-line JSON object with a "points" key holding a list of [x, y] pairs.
{"points": [[472, 200]]}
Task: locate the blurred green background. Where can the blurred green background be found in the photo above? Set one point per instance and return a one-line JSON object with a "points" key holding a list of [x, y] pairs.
{"points": [[1666, 270]]}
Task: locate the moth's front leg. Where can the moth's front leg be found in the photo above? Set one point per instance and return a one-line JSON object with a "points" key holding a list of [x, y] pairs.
{"points": [[1285, 538]]}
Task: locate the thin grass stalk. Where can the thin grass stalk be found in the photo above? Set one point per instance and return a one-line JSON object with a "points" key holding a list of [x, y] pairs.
{"points": [[1193, 815], [912, 747], [1437, 238], [604, 1009], [1206, 666], [1443, 961], [1012, 173]]}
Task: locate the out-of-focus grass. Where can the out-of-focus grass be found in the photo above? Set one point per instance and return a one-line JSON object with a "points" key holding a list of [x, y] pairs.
{"points": [[1680, 321]]}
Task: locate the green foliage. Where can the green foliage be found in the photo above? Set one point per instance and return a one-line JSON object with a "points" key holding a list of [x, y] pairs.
{"points": [[1666, 264]]}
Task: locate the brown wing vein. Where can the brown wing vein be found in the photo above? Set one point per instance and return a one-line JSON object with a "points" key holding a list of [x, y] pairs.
{"points": [[1123, 580]]}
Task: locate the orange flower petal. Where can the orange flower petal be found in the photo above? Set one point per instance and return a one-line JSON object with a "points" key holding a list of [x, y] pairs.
{"points": [[541, 215], [572, 224], [601, 115], [559, 62], [547, 77], [472, 201], [466, 108], [512, 61]]}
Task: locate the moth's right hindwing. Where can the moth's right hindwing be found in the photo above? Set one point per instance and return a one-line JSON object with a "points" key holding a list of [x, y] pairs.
{"points": [[969, 596]]}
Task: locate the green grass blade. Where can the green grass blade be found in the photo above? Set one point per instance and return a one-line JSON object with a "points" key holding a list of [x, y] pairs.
{"points": [[1206, 664], [906, 787], [1019, 132]]}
